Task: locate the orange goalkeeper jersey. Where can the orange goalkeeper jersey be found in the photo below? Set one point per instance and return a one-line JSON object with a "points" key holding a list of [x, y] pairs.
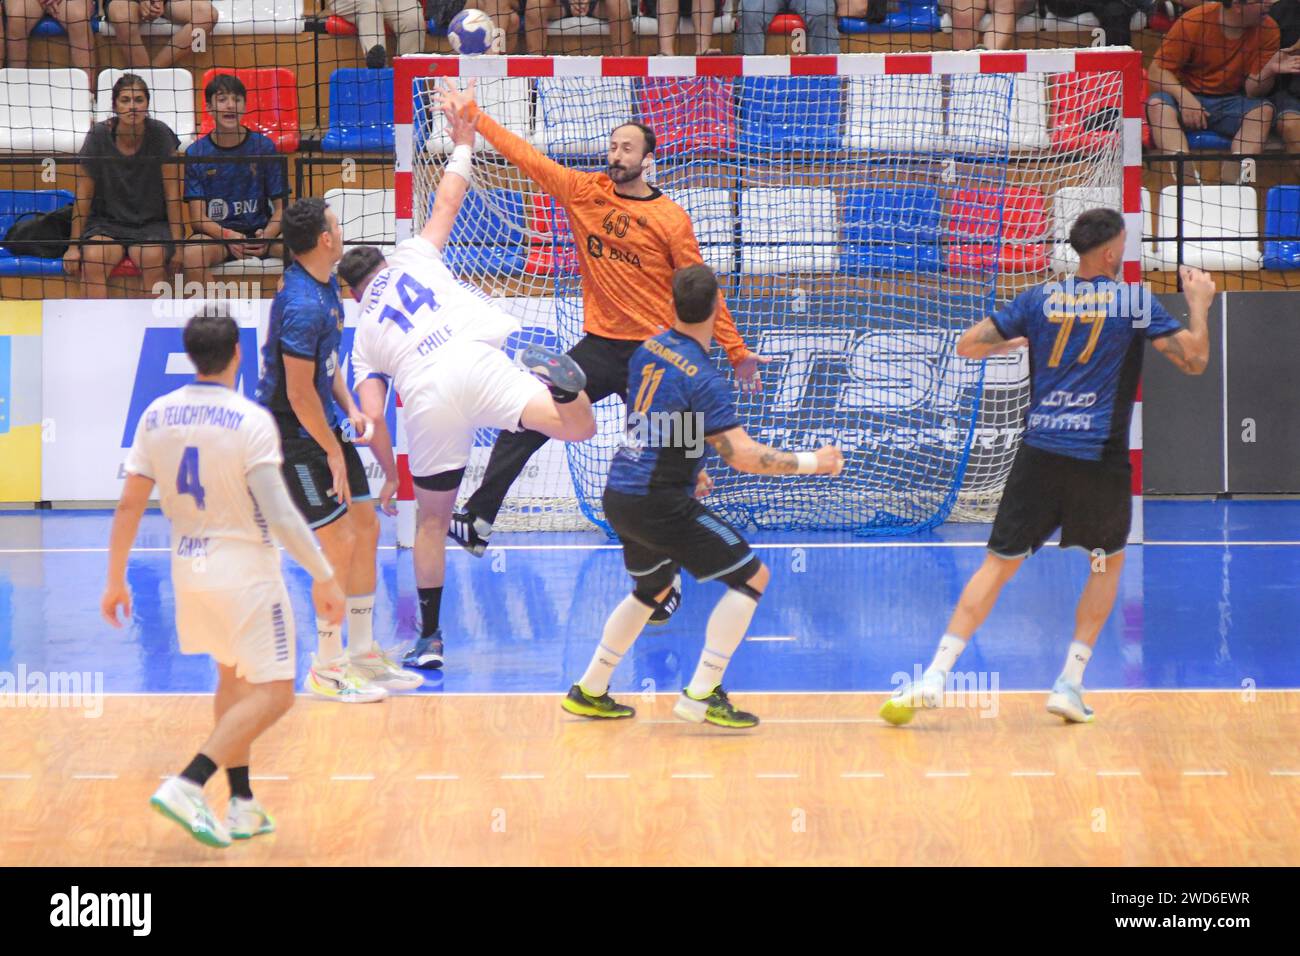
{"points": [[627, 248]]}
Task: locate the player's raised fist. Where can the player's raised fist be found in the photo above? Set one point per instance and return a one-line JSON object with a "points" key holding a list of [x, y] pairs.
{"points": [[1198, 286], [830, 460]]}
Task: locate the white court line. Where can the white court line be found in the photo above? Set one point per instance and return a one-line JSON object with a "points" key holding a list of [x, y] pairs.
{"points": [[806, 545], [523, 776], [861, 775], [1271, 773], [776, 776], [823, 720], [269, 776], [1033, 773], [1205, 773], [770, 639], [692, 776], [609, 776], [15, 776], [94, 776], [353, 777], [437, 776], [1119, 773], [947, 773]]}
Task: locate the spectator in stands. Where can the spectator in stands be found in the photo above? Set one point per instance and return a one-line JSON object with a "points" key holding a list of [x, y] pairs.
{"points": [[617, 12], [128, 196], [405, 17], [818, 17], [23, 15], [966, 16], [1114, 16], [1208, 74], [187, 16], [670, 13], [238, 202], [1282, 71]]}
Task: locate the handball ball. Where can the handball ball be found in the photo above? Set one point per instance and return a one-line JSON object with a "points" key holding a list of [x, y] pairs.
{"points": [[470, 32]]}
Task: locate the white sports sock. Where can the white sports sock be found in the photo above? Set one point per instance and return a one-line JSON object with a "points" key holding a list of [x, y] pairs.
{"points": [[623, 627], [329, 642], [945, 656], [361, 616], [1076, 659], [727, 626]]}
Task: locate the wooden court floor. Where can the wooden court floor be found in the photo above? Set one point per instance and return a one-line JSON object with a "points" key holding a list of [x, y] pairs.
{"points": [[1166, 779]]}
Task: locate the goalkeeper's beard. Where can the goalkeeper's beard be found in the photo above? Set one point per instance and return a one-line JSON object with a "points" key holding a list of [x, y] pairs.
{"points": [[621, 175]]}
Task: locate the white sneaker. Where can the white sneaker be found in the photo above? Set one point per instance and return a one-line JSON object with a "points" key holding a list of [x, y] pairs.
{"points": [[246, 818], [914, 696], [377, 667], [181, 801], [339, 682]]}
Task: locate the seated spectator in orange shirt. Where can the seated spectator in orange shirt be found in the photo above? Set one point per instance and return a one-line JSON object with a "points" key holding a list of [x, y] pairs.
{"points": [[1209, 74], [23, 16], [187, 15], [128, 196]]}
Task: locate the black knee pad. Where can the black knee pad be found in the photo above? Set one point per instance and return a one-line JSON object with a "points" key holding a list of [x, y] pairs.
{"points": [[649, 586], [738, 580]]}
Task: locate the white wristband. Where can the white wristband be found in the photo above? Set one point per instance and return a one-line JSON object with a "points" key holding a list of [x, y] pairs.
{"points": [[462, 163], [807, 463]]}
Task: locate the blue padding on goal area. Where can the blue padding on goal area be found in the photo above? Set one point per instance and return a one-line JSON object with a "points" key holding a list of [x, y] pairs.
{"points": [[1282, 218], [790, 112], [483, 241], [361, 111], [891, 229], [16, 203]]}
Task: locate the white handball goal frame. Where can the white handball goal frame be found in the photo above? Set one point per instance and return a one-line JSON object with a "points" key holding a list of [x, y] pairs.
{"points": [[1123, 61]]}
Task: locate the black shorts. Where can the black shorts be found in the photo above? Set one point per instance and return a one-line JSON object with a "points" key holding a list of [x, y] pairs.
{"points": [[306, 471], [150, 234], [604, 362], [1090, 501], [664, 529]]}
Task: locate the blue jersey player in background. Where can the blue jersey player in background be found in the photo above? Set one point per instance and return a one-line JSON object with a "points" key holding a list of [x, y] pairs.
{"points": [[239, 202], [679, 402], [1086, 339], [305, 388]]}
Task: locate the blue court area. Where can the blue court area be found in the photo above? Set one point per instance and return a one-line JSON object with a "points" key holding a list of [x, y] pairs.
{"points": [[1211, 601]]}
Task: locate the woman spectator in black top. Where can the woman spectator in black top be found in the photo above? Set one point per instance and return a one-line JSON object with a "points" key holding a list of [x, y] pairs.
{"points": [[128, 195]]}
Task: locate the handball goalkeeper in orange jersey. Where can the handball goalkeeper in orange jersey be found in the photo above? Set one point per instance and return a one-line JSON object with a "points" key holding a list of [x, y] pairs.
{"points": [[629, 238]]}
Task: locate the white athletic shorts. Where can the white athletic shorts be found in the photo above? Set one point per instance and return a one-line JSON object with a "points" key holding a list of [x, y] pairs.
{"points": [[249, 629], [476, 387]]}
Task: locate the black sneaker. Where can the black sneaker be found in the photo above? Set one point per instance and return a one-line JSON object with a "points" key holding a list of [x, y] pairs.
{"points": [[376, 58], [469, 532], [561, 374], [716, 709], [579, 702]]}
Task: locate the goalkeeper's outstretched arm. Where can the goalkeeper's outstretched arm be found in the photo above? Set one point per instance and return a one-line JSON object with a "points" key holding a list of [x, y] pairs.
{"points": [[455, 180], [744, 454]]}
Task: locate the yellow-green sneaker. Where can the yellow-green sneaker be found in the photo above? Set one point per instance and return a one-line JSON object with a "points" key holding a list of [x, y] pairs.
{"points": [[579, 702], [715, 709]]}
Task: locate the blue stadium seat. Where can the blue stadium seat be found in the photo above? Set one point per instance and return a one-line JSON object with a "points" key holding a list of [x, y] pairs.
{"points": [[14, 204], [47, 26], [1208, 139], [482, 242], [912, 16], [1282, 218], [361, 111], [891, 229], [790, 112]]}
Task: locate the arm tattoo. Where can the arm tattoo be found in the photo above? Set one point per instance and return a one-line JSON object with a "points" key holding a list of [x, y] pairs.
{"points": [[722, 445], [988, 334], [774, 461]]}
